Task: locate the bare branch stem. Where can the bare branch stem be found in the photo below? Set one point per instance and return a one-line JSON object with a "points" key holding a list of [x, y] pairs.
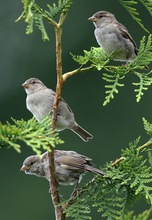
{"points": [[79, 70], [147, 144], [54, 188], [117, 161]]}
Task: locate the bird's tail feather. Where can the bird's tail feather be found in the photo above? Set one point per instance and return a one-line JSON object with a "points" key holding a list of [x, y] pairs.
{"points": [[95, 170], [82, 133]]}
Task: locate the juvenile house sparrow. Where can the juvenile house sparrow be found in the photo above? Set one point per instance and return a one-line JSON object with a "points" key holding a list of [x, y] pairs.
{"points": [[40, 101], [69, 166], [112, 36]]}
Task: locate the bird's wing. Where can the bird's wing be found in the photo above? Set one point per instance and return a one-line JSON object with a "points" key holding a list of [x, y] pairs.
{"points": [[72, 162], [64, 106], [126, 35]]}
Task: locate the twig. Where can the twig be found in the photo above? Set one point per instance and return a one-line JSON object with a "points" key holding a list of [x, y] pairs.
{"points": [[117, 161], [147, 144], [79, 70]]}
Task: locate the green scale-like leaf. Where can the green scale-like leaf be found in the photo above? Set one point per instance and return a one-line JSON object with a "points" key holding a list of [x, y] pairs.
{"points": [[148, 5], [36, 135], [96, 57], [34, 14], [123, 185], [147, 127], [129, 5], [114, 83]]}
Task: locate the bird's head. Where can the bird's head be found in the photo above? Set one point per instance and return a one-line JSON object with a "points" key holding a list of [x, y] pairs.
{"points": [[31, 165], [32, 85], [102, 17]]}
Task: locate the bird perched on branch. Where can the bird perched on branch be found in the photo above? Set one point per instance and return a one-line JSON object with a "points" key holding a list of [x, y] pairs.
{"points": [[112, 36], [69, 166], [39, 102]]}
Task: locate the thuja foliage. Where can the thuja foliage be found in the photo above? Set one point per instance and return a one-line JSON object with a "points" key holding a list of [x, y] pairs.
{"points": [[130, 6], [124, 184], [113, 195], [146, 215], [34, 14], [96, 58], [36, 135], [126, 181], [114, 75]]}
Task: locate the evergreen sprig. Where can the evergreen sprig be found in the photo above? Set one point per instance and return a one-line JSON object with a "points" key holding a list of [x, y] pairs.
{"points": [[40, 25], [129, 5], [144, 82], [144, 57], [139, 174], [145, 215], [97, 59], [36, 135], [114, 82], [148, 5], [147, 127], [63, 6], [79, 210], [34, 14], [124, 184]]}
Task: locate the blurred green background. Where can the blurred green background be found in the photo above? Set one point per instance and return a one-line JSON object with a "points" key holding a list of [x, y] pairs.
{"points": [[113, 127]]}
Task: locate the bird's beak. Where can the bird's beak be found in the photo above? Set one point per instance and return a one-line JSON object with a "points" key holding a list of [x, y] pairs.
{"points": [[93, 19], [24, 168], [25, 85]]}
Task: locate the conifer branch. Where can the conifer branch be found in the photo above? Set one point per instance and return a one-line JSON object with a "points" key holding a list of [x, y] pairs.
{"points": [[53, 183], [117, 161], [147, 144], [125, 183], [125, 180], [148, 5], [129, 5], [36, 135]]}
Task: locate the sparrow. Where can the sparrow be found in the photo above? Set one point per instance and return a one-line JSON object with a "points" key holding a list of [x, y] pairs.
{"points": [[112, 36], [69, 166], [40, 101]]}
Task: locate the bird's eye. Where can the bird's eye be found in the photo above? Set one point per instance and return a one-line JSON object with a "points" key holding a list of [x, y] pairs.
{"points": [[32, 163], [33, 82]]}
